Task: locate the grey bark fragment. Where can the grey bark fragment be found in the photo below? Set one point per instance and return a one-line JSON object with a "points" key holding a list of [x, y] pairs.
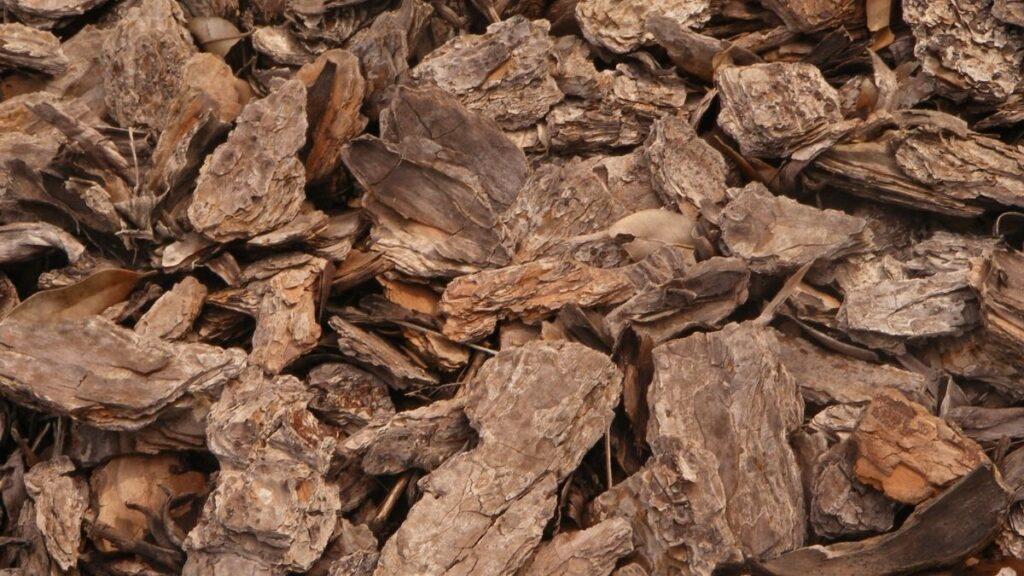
{"points": [[60, 503], [25, 47], [590, 552], [142, 61], [685, 170], [777, 235], [774, 109], [700, 502], [620, 26], [841, 506], [105, 375], [503, 74], [965, 48], [436, 181], [483, 511], [22, 242], [254, 182], [423, 438]]}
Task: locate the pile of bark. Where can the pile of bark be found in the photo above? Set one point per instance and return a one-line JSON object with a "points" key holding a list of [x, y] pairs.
{"points": [[511, 287]]}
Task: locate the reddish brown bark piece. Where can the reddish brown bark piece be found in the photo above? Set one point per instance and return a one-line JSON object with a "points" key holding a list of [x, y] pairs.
{"points": [[620, 26], [254, 182], [335, 89], [590, 552], [173, 314], [28, 48], [485, 510], [909, 454]]}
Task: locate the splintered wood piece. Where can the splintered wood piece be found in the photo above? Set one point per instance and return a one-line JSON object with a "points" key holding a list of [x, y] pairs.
{"points": [[774, 109], [590, 552], [105, 375], [142, 63], [620, 25], [503, 74], [777, 235], [968, 51], [436, 182], [485, 510], [334, 95], [1001, 276], [22, 242], [172, 315], [254, 182], [270, 446], [700, 501], [707, 294], [380, 357], [61, 500], [988, 424], [25, 47], [909, 454], [941, 532], [825, 377], [102, 152], [348, 397], [685, 170], [423, 438], [841, 506]]}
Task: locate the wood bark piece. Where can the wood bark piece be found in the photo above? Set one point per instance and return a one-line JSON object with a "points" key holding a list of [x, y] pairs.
{"points": [[987, 424], [380, 357], [590, 552], [270, 447], [965, 48], [24, 241], [503, 74], [774, 109], [348, 397], [825, 377], [707, 294], [484, 510], [46, 14], [939, 533], [621, 26], [423, 438], [700, 501], [939, 166], [105, 375], [254, 182], [142, 61], [841, 506], [25, 47], [474, 303], [334, 91], [909, 454], [60, 501], [1000, 276], [172, 315], [685, 170], [811, 15], [437, 180], [777, 235]]}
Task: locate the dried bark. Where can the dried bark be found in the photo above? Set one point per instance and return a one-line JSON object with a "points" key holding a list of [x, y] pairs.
{"points": [[485, 510], [773, 110], [28, 48], [105, 375], [908, 453], [253, 183], [685, 170], [699, 503], [841, 506], [347, 397], [621, 26], [26, 241], [142, 61], [590, 552], [60, 503], [378, 356], [334, 89], [172, 315]]}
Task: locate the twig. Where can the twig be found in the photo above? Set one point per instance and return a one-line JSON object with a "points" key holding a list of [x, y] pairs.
{"points": [[389, 503], [608, 456]]}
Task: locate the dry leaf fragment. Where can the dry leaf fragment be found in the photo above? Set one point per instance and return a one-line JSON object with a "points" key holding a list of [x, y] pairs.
{"points": [[909, 454], [254, 182], [78, 301], [214, 34]]}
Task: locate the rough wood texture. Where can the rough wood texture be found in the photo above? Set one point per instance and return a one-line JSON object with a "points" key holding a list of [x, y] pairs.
{"points": [[378, 356], [909, 454], [60, 503], [590, 552], [105, 375], [699, 503], [142, 61], [348, 397], [173, 314], [621, 26], [774, 109], [25, 47], [485, 510], [254, 182], [335, 89], [841, 506]]}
